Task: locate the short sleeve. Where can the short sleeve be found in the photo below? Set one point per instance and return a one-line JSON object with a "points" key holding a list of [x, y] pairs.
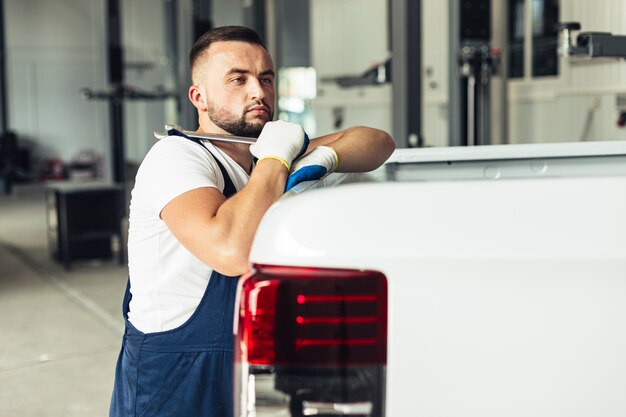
{"points": [[172, 167]]}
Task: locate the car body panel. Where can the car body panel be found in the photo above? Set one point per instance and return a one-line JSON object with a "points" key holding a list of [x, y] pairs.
{"points": [[505, 297]]}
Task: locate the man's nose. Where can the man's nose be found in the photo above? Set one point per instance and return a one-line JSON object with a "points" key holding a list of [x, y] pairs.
{"points": [[255, 89]]}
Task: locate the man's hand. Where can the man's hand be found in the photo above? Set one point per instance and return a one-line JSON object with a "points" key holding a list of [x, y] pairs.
{"points": [[282, 141], [322, 161]]}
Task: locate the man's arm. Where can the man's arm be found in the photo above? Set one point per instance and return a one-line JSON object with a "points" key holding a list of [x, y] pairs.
{"points": [[219, 231], [359, 149]]}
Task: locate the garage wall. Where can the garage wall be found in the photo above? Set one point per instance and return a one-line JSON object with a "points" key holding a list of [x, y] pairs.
{"points": [[578, 104], [347, 38], [148, 68], [435, 42], [53, 50], [56, 48], [227, 12]]}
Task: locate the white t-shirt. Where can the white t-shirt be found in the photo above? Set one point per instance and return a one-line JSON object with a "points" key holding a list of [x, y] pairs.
{"points": [[167, 281]]}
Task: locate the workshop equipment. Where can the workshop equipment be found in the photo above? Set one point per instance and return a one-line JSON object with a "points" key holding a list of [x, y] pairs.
{"points": [[589, 44], [592, 45], [473, 63], [84, 221], [201, 135]]}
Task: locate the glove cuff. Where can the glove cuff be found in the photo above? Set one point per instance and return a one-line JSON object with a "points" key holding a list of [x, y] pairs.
{"points": [[281, 160], [329, 156]]}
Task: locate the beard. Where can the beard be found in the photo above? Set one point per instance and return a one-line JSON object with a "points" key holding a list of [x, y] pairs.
{"points": [[237, 125]]}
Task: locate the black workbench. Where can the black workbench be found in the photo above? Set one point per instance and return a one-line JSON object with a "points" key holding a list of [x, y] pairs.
{"points": [[84, 221]]}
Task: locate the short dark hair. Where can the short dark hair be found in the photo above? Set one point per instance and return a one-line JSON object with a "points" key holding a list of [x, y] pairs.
{"points": [[223, 33]]}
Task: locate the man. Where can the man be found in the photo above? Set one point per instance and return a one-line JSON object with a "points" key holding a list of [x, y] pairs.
{"points": [[193, 214]]}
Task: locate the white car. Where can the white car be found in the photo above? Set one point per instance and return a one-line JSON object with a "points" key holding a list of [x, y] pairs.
{"points": [[425, 289]]}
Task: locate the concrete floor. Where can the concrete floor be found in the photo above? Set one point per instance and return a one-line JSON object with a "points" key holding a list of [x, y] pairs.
{"points": [[60, 331]]}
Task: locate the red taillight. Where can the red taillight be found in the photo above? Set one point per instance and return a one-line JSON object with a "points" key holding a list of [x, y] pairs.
{"points": [[312, 316], [258, 318]]}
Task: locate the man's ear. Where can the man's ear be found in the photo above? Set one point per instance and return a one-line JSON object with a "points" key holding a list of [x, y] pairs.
{"points": [[198, 98]]}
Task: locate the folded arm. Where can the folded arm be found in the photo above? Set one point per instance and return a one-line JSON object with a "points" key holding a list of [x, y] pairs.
{"points": [[360, 149], [218, 231]]}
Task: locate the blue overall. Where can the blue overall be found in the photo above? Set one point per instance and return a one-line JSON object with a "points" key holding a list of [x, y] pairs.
{"points": [[186, 371]]}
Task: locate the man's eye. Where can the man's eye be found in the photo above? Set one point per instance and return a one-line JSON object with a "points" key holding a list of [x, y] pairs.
{"points": [[238, 80], [267, 81]]}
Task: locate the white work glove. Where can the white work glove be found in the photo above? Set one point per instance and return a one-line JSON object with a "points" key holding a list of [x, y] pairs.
{"points": [[282, 141], [315, 165]]}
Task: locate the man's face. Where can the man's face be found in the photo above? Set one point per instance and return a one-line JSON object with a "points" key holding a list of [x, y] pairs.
{"points": [[239, 84]]}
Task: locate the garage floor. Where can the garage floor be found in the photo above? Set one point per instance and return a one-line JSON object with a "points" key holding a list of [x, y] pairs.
{"points": [[60, 331]]}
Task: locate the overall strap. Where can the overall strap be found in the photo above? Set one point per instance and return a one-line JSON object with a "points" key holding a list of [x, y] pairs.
{"points": [[126, 301], [229, 187], [229, 190]]}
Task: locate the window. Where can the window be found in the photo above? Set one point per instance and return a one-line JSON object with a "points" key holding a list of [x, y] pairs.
{"points": [[516, 38], [542, 32], [545, 37]]}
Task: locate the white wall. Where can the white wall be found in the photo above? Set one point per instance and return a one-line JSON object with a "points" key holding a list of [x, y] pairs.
{"points": [[227, 12], [53, 50], [347, 37], [578, 104], [144, 37], [435, 41], [556, 109], [56, 48]]}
